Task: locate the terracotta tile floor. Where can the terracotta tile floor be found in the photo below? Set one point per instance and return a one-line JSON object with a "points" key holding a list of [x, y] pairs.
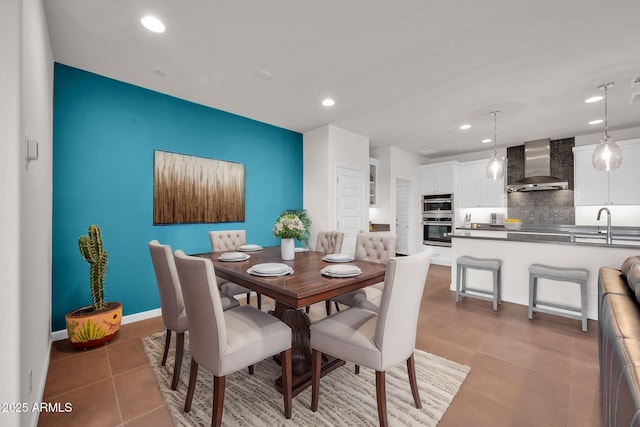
{"points": [[523, 373]]}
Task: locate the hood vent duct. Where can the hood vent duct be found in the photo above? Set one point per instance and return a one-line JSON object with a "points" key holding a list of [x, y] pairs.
{"points": [[537, 169]]}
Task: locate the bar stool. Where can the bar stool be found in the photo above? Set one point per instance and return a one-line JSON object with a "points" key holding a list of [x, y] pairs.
{"points": [[493, 265], [574, 275]]}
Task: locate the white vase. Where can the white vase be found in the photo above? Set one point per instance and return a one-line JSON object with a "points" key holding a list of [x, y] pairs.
{"points": [[287, 249]]}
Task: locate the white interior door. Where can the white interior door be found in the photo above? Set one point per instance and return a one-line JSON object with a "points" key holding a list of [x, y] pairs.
{"points": [[403, 188], [350, 206]]}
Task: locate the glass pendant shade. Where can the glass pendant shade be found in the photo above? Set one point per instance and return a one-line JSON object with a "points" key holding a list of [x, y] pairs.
{"points": [[495, 167], [607, 155]]}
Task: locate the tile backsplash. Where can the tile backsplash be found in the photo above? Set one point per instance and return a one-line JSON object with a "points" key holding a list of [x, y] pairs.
{"points": [[543, 207]]}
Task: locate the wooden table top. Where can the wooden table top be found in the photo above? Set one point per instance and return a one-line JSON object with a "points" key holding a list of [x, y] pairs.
{"points": [[305, 286]]}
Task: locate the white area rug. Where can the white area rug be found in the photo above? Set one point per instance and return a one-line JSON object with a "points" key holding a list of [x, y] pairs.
{"points": [[345, 399]]}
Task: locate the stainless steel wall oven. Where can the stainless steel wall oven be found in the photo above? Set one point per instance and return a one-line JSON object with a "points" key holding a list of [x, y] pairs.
{"points": [[437, 219]]}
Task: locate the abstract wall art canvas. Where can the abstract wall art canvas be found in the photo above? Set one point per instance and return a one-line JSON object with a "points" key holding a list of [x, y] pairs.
{"points": [[190, 189]]}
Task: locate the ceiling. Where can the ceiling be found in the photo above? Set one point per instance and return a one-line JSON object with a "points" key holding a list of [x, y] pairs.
{"points": [[405, 73]]}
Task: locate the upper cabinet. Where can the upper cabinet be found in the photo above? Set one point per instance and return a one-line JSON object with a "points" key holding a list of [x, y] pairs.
{"points": [[616, 187], [476, 190], [438, 178], [373, 181]]}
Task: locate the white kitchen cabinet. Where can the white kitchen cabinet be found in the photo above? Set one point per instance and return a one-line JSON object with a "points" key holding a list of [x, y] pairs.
{"points": [[616, 187], [441, 255], [476, 190], [438, 178]]}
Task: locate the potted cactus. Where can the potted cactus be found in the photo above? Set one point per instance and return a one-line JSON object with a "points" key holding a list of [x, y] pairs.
{"points": [[98, 323]]}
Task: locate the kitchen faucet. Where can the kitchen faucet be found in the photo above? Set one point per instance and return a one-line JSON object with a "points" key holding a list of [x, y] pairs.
{"points": [[609, 239]]}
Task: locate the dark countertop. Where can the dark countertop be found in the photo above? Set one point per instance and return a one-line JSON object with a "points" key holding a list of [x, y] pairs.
{"points": [[554, 236], [620, 233]]}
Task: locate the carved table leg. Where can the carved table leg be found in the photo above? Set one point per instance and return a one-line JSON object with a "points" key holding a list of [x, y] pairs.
{"points": [[299, 323]]}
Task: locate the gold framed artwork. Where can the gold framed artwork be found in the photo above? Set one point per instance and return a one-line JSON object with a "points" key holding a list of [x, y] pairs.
{"points": [[191, 189]]}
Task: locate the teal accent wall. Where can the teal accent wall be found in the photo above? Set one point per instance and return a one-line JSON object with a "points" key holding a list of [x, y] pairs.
{"points": [[105, 133]]}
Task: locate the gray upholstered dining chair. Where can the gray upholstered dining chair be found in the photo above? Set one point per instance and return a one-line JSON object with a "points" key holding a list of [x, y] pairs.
{"points": [[224, 342], [379, 340], [231, 240], [372, 247], [174, 315], [329, 242]]}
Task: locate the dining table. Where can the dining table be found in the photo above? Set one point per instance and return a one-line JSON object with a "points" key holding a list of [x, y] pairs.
{"points": [[305, 286]]}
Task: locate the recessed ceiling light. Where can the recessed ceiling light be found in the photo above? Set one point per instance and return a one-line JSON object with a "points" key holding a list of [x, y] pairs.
{"points": [[153, 24], [596, 122], [487, 140], [594, 99], [264, 74], [328, 102], [465, 126]]}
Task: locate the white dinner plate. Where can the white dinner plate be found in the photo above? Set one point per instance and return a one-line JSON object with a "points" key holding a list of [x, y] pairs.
{"points": [[339, 276], [250, 248], [270, 268], [342, 270], [338, 258], [251, 270], [233, 256]]}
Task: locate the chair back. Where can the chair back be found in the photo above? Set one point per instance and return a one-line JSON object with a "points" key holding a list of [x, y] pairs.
{"points": [[400, 306], [227, 240], [329, 242], [171, 300], [207, 328], [375, 247]]}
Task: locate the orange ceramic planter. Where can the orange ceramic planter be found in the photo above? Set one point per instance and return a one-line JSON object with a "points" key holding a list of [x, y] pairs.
{"points": [[87, 328]]}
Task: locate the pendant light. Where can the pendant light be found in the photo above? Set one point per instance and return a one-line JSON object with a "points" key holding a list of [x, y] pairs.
{"points": [[607, 155], [495, 167]]}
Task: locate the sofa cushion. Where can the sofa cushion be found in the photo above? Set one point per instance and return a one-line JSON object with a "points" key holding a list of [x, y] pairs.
{"points": [[624, 312], [633, 280], [612, 282], [628, 263]]}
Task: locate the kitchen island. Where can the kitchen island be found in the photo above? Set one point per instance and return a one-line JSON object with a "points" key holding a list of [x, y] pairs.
{"points": [[572, 247]]}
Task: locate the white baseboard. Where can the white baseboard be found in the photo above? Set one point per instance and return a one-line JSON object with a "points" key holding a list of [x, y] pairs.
{"points": [[39, 390], [136, 317]]}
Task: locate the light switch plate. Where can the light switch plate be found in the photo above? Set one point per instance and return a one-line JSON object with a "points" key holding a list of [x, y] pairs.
{"points": [[31, 151]]}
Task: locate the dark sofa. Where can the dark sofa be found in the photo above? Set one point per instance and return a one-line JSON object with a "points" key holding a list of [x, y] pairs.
{"points": [[619, 343]]}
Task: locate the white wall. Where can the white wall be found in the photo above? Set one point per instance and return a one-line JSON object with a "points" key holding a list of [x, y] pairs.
{"points": [[315, 154], [26, 85], [324, 150], [396, 163], [10, 51], [35, 204]]}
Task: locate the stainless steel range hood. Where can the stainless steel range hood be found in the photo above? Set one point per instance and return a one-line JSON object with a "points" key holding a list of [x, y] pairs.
{"points": [[537, 169]]}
